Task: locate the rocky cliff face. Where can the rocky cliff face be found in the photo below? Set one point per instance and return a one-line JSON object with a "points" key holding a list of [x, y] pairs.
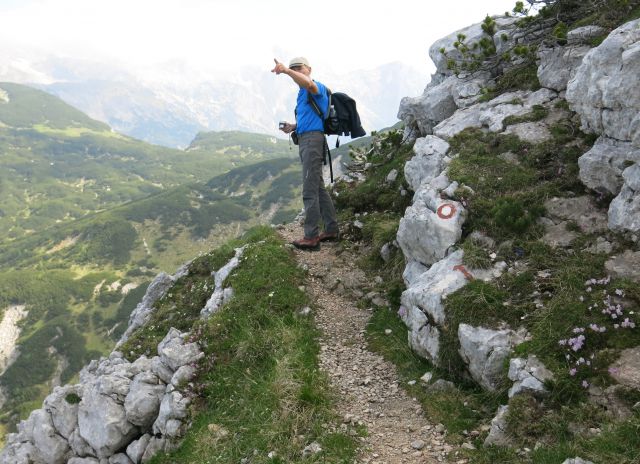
{"points": [[600, 85], [120, 412]]}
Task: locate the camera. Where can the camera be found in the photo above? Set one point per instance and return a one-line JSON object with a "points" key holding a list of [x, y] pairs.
{"points": [[281, 124]]}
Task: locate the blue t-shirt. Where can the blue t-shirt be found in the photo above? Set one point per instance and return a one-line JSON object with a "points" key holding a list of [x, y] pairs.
{"points": [[306, 117]]}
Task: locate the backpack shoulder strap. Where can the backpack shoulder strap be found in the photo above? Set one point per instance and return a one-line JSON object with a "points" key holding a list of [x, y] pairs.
{"points": [[314, 105]]}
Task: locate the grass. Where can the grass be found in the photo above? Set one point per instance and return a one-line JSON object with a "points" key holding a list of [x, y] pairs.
{"points": [[543, 296], [260, 381]]}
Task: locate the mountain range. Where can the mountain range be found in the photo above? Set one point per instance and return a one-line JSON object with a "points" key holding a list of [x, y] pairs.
{"points": [[177, 102]]}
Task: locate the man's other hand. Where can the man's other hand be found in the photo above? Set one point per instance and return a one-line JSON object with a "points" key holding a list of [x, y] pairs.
{"points": [[279, 68], [288, 128]]}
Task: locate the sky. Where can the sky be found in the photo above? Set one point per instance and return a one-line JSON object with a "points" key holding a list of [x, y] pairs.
{"points": [[223, 36]]}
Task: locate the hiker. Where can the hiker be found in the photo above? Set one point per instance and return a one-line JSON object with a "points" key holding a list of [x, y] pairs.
{"points": [[309, 127]]}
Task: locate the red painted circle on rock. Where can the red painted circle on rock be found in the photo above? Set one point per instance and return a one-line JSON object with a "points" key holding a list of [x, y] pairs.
{"points": [[446, 211]]}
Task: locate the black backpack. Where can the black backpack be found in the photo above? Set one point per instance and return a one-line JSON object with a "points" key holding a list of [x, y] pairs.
{"points": [[342, 119], [342, 115]]}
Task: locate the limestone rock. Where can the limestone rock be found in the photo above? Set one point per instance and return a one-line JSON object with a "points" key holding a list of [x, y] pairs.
{"points": [[559, 64], [434, 105], [120, 458], [601, 167], [142, 403], [431, 225], [221, 295], [472, 33], [434, 285], [532, 132], [581, 210], [624, 210], [626, 370], [83, 461], [498, 434], [491, 115], [412, 271], [184, 374], [576, 460], [103, 423], [485, 351], [584, 34], [63, 413], [557, 235], [424, 338], [428, 162], [136, 448], [155, 445], [174, 352], [528, 376], [173, 406], [141, 314], [50, 448], [604, 90], [626, 265]]}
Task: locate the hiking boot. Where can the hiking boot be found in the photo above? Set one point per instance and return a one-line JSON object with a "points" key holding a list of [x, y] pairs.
{"points": [[306, 243], [329, 236]]}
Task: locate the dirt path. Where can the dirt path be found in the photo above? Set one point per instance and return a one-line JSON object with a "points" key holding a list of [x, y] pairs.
{"points": [[367, 385]]}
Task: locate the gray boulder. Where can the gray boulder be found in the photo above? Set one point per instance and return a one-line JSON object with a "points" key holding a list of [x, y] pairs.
{"points": [[434, 105], [601, 167], [143, 400], [626, 369], [498, 435], [625, 265], [103, 423], [83, 461], [584, 34], [50, 448], [173, 406], [63, 413], [412, 271], [120, 458], [79, 445], [559, 64], [431, 225], [604, 90], [433, 286], [580, 210], [136, 448], [429, 161], [491, 115], [174, 352], [576, 460], [154, 447], [18, 453], [424, 337], [473, 33], [160, 369], [485, 351], [532, 132], [140, 315], [529, 376], [624, 210]]}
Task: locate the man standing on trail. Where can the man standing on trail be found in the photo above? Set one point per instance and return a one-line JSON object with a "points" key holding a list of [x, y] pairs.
{"points": [[309, 127]]}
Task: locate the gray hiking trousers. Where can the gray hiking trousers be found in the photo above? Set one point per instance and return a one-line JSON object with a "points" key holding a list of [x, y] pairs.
{"points": [[317, 201]]}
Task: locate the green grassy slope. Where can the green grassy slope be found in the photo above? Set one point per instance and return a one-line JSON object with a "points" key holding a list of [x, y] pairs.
{"points": [[57, 164]]}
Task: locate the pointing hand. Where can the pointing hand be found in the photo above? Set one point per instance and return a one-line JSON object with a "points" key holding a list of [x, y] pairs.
{"points": [[279, 68]]}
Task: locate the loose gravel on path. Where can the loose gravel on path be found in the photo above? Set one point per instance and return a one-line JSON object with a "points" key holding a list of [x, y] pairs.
{"points": [[367, 385]]}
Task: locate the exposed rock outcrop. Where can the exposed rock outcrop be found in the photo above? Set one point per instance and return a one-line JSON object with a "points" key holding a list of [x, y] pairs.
{"points": [[605, 94], [121, 411]]}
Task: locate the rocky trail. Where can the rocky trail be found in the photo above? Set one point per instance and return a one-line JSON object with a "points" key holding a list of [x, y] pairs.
{"points": [[367, 386]]}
